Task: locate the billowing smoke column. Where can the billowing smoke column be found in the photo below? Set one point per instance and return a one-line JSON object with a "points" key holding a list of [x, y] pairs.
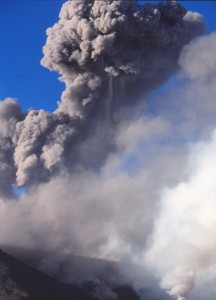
{"points": [[105, 51], [10, 114], [148, 206]]}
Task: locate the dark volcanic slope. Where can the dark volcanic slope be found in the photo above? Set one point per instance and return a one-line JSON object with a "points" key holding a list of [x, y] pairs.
{"points": [[18, 282], [20, 278]]}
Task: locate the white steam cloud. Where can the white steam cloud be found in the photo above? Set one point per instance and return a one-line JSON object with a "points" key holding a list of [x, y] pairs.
{"points": [[111, 176], [184, 229]]}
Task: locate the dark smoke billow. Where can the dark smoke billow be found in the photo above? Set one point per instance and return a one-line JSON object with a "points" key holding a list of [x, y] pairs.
{"points": [[108, 53]]}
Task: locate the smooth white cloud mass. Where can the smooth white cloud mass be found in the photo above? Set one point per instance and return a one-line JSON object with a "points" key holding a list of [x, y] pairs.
{"points": [[184, 228], [141, 189]]}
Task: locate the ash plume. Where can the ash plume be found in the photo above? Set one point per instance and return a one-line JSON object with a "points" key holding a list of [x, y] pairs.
{"points": [[151, 203], [10, 115], [108, 53]]}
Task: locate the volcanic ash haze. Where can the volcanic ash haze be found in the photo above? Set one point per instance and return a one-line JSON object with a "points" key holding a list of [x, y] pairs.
{"points": [[108, 53], [107, 174]]}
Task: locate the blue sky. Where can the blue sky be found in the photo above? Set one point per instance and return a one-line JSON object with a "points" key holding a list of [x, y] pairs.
{"points": [[23, 25]]}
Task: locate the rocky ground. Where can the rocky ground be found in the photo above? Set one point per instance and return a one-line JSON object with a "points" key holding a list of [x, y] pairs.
{"points": [[19, 281], [35, 274]]}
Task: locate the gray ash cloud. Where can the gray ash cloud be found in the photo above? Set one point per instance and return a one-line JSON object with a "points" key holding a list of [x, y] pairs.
{"points": [[108, 53], [112, 175]]}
